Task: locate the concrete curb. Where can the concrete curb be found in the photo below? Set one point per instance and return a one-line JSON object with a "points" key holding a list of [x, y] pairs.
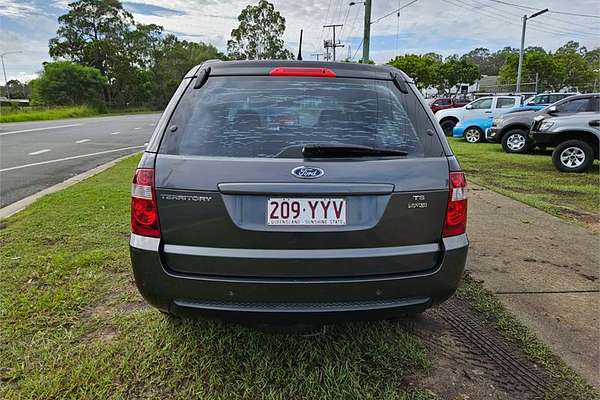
{"points": [[17, 206]]}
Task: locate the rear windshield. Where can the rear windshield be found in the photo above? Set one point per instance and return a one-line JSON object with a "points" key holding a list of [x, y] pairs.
{"points": [[276, 116]]}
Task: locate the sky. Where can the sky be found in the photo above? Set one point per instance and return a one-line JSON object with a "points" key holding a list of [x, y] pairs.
{"points": [[443, 26]]}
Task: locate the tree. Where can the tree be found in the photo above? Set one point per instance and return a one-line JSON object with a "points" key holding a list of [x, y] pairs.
{"points": [[422, 68], [569, 66], [489, 63], [258, 36], [92, 34], [576, 71], [141, 64], [455, 71], [174, 58], [67, 83], [16, 89]]}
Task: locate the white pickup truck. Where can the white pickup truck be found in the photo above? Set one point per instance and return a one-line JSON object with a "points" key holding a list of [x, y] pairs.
{"points": [[491, 106]]}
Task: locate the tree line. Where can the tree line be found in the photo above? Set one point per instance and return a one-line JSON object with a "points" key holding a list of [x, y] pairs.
{"points": [[103, 57], [571, 66]]}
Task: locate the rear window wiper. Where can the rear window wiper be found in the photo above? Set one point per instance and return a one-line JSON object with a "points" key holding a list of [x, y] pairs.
{"points": [[345, 150]]}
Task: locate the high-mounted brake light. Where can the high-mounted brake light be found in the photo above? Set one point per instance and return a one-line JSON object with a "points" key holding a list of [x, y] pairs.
{"points": [[302, 71], [144, 213], [455, 222]]}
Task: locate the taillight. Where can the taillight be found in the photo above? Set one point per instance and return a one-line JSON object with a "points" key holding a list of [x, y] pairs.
{"points": [[302, 71], [144, 214], [456, 213]]}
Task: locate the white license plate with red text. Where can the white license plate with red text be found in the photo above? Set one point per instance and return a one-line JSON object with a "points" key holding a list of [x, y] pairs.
{"points": [[303, 211]]}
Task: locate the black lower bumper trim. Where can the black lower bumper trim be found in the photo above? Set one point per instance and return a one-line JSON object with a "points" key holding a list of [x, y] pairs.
{"points": [[303, 311]]}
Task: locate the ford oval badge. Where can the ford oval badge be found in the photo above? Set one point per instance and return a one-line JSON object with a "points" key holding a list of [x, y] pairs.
{"points": [[307, 172]]}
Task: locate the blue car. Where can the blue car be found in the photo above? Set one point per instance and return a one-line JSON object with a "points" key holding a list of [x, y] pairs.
{"points": [[542, 100], [473, 130]]}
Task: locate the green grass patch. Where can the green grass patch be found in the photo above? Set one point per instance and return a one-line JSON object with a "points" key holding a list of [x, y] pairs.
{"points": [[532, 179], [566, 384], [23, 114], [74, 326]]}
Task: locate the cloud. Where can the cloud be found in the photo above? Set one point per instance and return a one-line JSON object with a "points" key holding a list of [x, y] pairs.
{"points": [[9, 8], [443, 26], [150, 9]]}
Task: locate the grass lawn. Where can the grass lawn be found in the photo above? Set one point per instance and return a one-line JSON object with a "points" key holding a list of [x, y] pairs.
{"points": [[533, 180], [74, 326], [22, 115]]}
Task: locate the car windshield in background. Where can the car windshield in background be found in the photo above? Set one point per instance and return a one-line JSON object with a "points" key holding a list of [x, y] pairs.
{"points": [[277, 116]]}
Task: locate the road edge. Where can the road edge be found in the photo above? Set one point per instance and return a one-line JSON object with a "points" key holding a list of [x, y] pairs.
{"points": [[22, 204]]}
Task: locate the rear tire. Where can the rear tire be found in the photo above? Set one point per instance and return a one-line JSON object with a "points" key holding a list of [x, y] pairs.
{"points": [[473, 134], [573, 156], [447, 126], [515, 142]]}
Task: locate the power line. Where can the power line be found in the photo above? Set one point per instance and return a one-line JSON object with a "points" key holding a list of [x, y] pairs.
{"points": [[539, 24], [551, 11], [345, 19], [398, 29], [393, 12], [357, 49], [325, 21], [352, 27], [469, 7]]}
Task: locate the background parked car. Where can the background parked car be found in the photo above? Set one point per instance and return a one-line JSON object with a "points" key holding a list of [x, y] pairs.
{"points": [[575, 138], [473, 130], [540, 101], [512, 128], [442, 103], [491, 106]]}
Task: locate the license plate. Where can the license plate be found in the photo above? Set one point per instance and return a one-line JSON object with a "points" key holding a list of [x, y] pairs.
{"points": [[303, 211]]}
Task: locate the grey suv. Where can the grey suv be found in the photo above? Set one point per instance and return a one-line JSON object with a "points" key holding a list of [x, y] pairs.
{"points": [[512, 128], [575, 138], [297, 190]]}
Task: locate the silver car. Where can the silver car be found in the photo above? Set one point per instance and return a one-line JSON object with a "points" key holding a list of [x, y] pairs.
{"points": [[575, 138]]}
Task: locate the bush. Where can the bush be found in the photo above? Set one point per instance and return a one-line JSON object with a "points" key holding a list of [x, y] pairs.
{"points": [[65, 83]]}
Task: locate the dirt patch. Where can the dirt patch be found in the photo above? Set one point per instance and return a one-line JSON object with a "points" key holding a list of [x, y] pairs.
{"points": [[589, 220], [472, 360], [104, 334], [113, 302]]}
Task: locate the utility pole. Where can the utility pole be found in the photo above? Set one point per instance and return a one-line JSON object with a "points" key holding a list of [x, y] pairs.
{"points": [[317, 55], [333, 44], [520, 69], [4, 70], [367, 32]]}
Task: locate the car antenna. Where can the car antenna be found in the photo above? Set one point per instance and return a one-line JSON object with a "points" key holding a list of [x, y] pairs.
{"points": [[300, 47]]}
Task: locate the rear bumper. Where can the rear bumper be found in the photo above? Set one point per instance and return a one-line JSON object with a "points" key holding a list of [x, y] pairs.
{"points": [[306, 299]]}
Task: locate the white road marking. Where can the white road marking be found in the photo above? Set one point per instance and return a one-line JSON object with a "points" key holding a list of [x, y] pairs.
{"points": [[39, 129], [139, 127], [69, 158], [115, 133], [82, 140], [35, 153]]}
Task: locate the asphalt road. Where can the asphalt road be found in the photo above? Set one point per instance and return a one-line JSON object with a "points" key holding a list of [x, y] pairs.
{"points": [[37, 155]]}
